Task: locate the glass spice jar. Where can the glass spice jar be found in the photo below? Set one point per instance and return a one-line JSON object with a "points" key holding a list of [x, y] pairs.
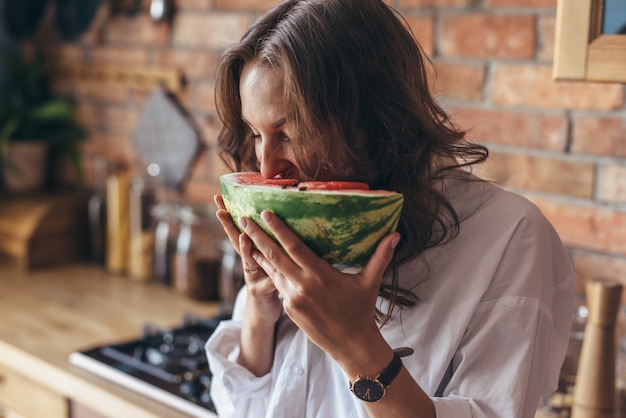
{"points": [[196, 263], [96, 208], [166, 216], [143, 196], [231, 278]]}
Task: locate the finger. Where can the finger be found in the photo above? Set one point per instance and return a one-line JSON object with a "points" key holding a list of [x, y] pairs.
{"points": [[224, 218], [245, 250], [275, 279], [275, 258], [219, 201], [298, 252], [254, 272], [376, 266], [261, 240], [229, 227]]}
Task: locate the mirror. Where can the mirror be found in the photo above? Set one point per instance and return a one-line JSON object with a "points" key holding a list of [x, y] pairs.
{"points": [[588, 43]]}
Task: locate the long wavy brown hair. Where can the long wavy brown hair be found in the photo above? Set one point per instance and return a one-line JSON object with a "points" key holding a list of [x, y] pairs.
{"points": [[356, 90]]}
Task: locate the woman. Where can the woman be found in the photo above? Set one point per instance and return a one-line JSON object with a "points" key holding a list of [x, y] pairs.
{"points": [[474, 289]]}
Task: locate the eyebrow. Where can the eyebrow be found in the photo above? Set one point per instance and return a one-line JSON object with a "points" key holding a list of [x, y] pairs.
{"points": [[275, 125], [280, 122]]}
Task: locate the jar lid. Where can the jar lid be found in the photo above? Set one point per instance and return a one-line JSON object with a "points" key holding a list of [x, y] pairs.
{"points": [[167, 209], [197, 214]]}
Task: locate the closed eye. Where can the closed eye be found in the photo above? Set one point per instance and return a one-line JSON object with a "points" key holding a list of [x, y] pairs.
{"points": [[284, 138]]}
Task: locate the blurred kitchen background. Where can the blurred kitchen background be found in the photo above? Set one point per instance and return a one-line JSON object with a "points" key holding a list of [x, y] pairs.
{"points": [[121, 94], [562, 144]]}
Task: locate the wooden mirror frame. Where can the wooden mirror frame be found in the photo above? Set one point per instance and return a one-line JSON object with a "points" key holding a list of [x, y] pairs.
{"points": [[581, 51]]}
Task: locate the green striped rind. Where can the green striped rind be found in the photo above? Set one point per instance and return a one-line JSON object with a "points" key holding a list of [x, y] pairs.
{"points": [[342, 227]]}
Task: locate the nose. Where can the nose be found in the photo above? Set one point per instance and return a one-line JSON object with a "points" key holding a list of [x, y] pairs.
{"points": [[272, 158]]}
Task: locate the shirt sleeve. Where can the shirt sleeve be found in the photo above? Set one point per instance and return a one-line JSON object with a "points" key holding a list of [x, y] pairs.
{"points": [[231, 383], [513, 348]]}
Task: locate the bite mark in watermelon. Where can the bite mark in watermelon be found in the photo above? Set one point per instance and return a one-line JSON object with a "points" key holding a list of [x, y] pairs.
{"points": [[342, 222]]}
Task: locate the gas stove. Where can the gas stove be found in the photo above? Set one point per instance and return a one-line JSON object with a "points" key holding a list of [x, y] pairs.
{"points": [[164, 364]]}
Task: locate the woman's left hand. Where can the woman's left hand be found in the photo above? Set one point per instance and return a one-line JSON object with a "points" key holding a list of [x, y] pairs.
{"points": [[336, 310]]}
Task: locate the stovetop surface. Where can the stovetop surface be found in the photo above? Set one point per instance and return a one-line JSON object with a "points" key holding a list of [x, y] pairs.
{"points": [[169, 365]]}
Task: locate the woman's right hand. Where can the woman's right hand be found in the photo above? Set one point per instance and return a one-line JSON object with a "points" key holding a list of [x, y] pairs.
{"points": [[263, 307]]}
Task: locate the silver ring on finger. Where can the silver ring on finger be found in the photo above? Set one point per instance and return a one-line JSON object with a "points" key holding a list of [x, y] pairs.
{"points": [[252, 272]]}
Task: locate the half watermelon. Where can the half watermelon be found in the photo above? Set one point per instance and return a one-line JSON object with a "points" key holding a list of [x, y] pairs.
{"points": [[342, 222]]}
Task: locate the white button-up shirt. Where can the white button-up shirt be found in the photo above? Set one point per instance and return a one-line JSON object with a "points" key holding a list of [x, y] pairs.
{"points": [[495, 311]]}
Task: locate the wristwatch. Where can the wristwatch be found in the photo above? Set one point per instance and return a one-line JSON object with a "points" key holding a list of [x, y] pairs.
{"points": [[372, 389]]}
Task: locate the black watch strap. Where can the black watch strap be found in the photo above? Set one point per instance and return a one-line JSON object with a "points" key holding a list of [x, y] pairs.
{"points": [[392, 370]]}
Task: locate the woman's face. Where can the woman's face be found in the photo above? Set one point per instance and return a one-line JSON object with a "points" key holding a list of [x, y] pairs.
{"points": [[263, 110]]}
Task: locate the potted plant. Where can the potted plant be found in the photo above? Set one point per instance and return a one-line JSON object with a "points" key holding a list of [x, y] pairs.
{"points": [[32, 116]]}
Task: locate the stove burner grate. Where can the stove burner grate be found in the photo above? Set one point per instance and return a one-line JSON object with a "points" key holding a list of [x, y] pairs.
{"points": [[172, 360]]}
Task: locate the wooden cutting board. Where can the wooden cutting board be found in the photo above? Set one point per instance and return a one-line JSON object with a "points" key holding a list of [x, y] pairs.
{"points": [[44, 229]]}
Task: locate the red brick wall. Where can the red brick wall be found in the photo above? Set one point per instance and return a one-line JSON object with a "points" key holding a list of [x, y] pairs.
{"points": [[562, 144]]}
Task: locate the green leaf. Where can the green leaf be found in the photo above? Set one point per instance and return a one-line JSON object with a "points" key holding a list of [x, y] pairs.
{"points": [[52, 111], [9, 128]]}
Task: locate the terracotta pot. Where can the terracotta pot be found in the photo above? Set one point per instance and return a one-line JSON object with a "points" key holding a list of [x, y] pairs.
{"points": [[26, 170]]}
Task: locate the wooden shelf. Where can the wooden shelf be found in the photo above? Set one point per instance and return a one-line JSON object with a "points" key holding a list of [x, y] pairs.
{"points": [[143, 78]]}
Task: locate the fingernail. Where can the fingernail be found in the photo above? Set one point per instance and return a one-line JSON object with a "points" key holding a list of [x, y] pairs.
{"points": [[243, 222], [395, 242], [255, 255], [266, 216]]}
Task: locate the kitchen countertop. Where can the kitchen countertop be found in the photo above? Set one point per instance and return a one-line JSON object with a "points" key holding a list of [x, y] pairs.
{"points": [[49, 312]]}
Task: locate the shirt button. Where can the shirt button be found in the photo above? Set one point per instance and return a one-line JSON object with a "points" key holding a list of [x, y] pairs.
{"points": [[297, 369]]}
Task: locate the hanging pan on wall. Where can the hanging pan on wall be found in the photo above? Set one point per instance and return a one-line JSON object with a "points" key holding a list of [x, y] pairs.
{"points": [[72, 17], [21, 17]]}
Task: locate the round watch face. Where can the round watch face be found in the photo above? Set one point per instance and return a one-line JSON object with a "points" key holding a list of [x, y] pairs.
{"points": [[368, 389]]}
